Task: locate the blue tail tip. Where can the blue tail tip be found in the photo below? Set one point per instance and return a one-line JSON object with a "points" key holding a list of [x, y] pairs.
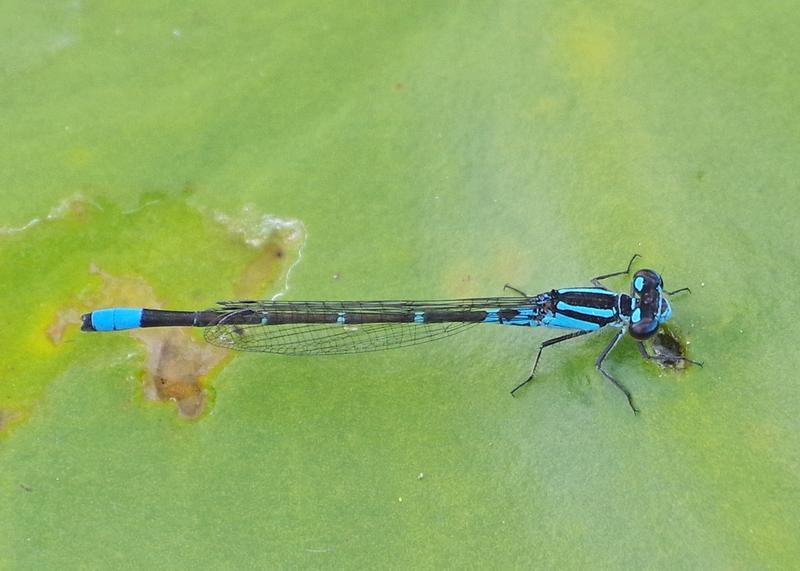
{"points": [[112, 319]]}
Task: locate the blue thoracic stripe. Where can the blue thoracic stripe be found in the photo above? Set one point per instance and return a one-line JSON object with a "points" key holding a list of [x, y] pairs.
{"points": [[561, 320], [419, 317], [524, 316], [594, 311], [492, 316], [340, 317], [117, 318]]}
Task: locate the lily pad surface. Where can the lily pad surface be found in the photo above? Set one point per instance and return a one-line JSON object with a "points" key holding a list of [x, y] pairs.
{"points": [[173, 155]]}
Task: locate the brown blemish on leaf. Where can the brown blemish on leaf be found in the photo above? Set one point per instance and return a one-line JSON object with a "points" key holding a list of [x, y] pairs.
{"points": [[7, 418], [178, 363], [124, 290], [71, 209], [63, 319], [189, 189], [263, 269], [671, 348], [176, 368], [117, 291], [269, 266]]}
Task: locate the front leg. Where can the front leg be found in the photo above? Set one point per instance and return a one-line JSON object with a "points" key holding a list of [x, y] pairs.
{"points": [[606, 374], [673, 292], [596, 281]]}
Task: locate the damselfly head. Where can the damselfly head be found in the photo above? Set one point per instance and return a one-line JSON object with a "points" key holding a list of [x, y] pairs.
{"points": [[651, 308]]}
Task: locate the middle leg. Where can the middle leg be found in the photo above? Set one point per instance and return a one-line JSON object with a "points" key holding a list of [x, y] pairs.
{"points": [[547, 343]]}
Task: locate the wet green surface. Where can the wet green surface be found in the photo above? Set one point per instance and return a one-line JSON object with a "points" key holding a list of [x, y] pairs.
{"points": [[426, 153]]}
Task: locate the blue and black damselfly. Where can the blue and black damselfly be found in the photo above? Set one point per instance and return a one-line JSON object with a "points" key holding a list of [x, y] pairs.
{"points": [[331, 327]]}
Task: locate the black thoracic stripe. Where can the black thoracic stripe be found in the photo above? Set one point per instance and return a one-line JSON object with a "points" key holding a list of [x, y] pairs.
{"points": [[625, 305], [601, 321], [507, 314], [588, 300], [595, 300]]}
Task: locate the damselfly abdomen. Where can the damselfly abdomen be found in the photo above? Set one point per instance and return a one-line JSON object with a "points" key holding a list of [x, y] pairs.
{"points": [[330, 327]]}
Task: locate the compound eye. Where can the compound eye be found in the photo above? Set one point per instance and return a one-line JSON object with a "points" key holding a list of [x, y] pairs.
{"points": [[643, 328], [646, 279]]}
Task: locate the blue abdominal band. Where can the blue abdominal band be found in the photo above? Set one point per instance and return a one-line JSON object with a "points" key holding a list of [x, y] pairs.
{"points": [[117, 318]]}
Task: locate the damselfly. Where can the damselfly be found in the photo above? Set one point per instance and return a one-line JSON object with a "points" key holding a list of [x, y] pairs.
{"points": [[330, 327]]}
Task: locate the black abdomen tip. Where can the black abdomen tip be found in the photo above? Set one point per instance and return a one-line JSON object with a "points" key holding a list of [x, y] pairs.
{"points": [[86, 322]]}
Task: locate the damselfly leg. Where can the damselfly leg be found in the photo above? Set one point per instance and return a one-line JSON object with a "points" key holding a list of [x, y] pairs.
{"points": [[597, 283], [606, 374], [673, 292], [512, 288], [539, 354]]}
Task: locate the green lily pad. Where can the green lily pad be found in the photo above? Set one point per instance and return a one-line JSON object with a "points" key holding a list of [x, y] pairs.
{"points": [[176, 155]]}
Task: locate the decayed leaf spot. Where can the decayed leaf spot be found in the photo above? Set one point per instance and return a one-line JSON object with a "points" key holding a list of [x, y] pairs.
{"points": [[253, 252], [117, 291], [76, 207], [265, 268], [7, 418], [64, 318], [177, 363], [279, 243], [670, 348], [176, 368]]}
